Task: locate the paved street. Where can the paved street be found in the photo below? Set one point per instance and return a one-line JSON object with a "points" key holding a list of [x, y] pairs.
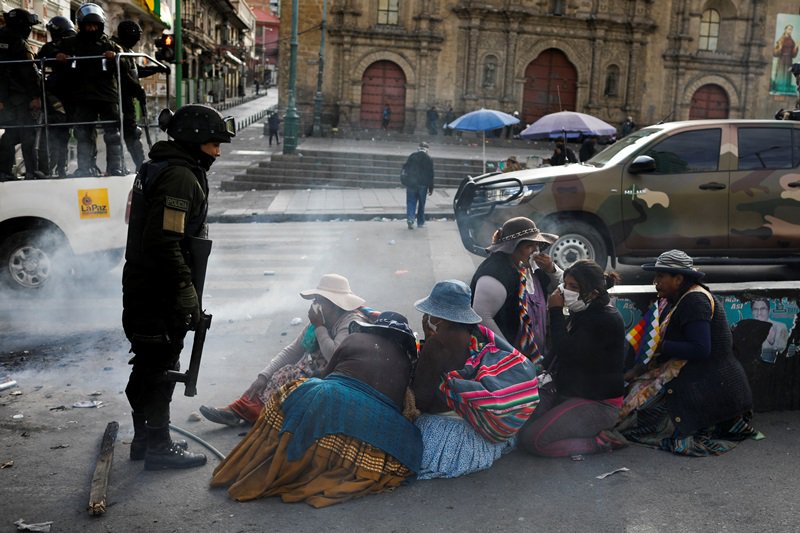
{"points": [[66, 347]]}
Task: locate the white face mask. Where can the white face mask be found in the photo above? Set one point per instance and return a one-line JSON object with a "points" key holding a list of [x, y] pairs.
{"points": [[573, 300]]}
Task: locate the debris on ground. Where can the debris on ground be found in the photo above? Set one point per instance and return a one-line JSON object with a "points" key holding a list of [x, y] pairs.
{"points": [[59, 408], [40, 526], [296, 321], [194, 417], [617, 471], [7, 384], [18, 416], [59, 446], [88, 403], [7, 464]]}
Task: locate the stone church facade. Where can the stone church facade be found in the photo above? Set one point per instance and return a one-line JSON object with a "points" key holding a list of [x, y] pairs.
{"points": [[650, 59]]}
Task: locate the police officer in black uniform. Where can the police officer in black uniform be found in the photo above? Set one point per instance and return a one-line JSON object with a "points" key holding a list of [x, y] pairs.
{"points": [[59, 103], [128, 35], [95, 90], [160, 301], [20, 90]]}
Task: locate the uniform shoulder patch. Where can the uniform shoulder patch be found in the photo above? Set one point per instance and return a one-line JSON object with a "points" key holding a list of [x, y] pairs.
{"points": [[177, 203]]}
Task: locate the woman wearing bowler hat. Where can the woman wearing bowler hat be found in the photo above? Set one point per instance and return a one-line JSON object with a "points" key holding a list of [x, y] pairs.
{"points": [[475, 389], [510, 291], [693, 397]]}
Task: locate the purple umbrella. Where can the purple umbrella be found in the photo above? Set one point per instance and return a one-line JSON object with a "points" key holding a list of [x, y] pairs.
{"points": [[567, 124]]}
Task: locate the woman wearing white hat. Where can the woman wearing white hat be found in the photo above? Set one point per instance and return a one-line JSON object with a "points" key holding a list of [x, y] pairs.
{"points": [[333, 308]]}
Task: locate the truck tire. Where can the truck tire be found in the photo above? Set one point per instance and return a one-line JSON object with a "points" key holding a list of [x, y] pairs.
{"points": [[577, 240], [28, 259]]}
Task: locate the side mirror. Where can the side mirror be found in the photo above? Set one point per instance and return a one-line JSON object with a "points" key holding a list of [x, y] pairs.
{"points": [[642, 163]]}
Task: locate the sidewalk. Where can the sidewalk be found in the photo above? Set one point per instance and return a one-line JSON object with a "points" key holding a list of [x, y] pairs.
{"points": [[330, 204]]}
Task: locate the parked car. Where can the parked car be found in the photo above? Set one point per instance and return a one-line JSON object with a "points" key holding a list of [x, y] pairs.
{"points": [[725, 191]]}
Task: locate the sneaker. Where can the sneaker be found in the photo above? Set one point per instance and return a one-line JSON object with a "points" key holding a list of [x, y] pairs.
{"points": [[220, 416], [410, 224]]}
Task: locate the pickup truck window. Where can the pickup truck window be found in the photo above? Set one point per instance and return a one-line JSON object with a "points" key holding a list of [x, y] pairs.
{"points": [[690, 151], [765, 148]]}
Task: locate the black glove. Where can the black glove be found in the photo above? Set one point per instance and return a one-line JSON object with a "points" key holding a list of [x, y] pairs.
{"points": [[187, 306], [165, 69]]}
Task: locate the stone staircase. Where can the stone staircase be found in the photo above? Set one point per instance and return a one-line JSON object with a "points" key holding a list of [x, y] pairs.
{"points": [[342, 170]]}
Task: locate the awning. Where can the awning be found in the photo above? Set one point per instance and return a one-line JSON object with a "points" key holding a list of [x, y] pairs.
{"points": [[233, 58]]}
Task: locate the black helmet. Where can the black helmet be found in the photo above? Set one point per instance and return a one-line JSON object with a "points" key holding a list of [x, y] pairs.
{"points": [[91, 13], [60, 27], [21, 21], [197, 124], [129, 33]]}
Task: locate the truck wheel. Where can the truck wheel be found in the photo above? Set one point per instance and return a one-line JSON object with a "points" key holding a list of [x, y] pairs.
{"points": [[27, 259], [577, 240]]}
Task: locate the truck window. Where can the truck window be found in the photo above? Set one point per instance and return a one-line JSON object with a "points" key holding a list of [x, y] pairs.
{"points": [[761, 148], [690, 151]]}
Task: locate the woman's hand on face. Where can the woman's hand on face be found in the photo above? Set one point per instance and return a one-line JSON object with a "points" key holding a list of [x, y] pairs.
{"points": [[315, 315], [556, 299], [545, 262]]}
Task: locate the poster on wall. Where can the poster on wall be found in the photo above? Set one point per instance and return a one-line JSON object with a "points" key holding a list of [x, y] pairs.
{"points": [[780, 313], [784, 53]]}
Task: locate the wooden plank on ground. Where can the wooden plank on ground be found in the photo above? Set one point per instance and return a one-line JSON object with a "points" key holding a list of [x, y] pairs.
{"points": [[99, 489]]}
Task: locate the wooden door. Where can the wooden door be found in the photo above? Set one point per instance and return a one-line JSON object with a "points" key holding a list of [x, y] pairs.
{"points": [[709, 101], [551, 85], [383, 83]]}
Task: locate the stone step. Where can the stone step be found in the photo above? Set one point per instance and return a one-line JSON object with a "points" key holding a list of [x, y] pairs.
{"points": [[355, 179], [247, 183], [333, 170]]}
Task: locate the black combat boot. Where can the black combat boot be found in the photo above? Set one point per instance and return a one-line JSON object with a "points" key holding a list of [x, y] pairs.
{"points": [[139, 442], [163, 454]]}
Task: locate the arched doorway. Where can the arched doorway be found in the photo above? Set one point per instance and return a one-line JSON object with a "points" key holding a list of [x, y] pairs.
{"points": [[551, 85], [383, 83], [709, 101]]}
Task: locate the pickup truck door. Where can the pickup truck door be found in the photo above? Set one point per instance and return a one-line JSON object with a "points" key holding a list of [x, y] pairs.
{"points": [[684, 202], [765, 189]]}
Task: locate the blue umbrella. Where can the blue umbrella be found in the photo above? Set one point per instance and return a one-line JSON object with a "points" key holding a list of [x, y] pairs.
{"points": [[567, 124], [483, 120]]}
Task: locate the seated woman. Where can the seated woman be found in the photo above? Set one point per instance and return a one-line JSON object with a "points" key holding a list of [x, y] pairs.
{"points": [[510, 292], [476, 389], [586, 360], [333, 308], [693, 397], [325, 441]]}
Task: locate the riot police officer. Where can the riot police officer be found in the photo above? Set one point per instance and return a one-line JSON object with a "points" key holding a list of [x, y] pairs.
{"points": [[20, 90], [163, 271], [59, 103], [95, 90], [128, 35]]}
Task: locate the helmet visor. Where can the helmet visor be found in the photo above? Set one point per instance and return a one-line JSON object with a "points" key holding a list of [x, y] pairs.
{"points": [[230, 125]]}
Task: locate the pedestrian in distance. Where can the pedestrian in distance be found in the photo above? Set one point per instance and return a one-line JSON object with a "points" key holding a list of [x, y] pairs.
{"points": [[165, 262], [273, 125], [417, 177], [387, 116], [449, 117], [432, 120], [20, 95], [588, 148], [258, 87], [95, 89], [562, 154], [628, 127]]}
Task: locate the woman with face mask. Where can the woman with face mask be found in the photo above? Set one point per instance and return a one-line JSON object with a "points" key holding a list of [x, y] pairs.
{"points": [[586, 361]]}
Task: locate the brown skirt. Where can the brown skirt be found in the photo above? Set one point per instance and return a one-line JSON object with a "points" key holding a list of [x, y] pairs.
{"points": [[334, 469]]}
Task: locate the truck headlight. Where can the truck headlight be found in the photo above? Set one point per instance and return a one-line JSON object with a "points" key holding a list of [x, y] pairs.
{"points": [[501, 195]]}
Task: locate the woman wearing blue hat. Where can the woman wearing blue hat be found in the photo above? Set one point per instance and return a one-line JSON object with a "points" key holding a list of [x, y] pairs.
{"points": [[476, 389], [692, 397]]}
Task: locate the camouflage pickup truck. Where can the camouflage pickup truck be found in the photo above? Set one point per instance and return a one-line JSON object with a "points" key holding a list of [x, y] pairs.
{"points": [[725, 191]]}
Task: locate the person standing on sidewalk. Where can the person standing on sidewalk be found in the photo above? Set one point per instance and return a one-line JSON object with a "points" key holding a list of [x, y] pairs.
{"points": [[417, 176], [273, 124], [162, 272]]}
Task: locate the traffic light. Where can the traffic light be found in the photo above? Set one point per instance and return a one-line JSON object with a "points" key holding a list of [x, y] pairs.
{"points": [[165, 48]]}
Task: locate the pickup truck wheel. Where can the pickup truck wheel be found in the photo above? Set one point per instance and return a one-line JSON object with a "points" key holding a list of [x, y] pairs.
{"points": [[27, 260], [577, 240]]}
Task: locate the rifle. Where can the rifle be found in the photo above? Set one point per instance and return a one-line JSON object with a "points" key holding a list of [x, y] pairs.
{"points": [[199, 250], [190, 376], [143, 108]]}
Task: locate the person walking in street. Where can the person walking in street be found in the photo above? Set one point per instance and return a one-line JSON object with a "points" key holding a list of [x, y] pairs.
{"points": [[163, 272], [588, 148], [417, 176], [273, 125], [258, 87], [20, 100]]}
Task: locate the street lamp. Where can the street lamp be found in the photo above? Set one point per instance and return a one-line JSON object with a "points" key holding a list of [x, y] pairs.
{"points": [[292, 119], [317, 127]]}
